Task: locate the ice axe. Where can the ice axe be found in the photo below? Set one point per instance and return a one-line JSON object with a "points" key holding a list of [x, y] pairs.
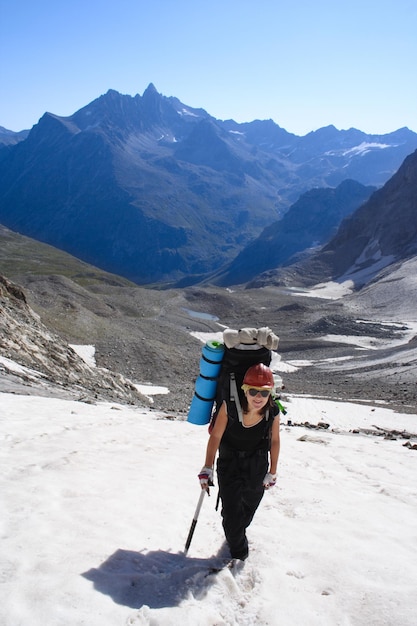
{"points": [[194, 522]]}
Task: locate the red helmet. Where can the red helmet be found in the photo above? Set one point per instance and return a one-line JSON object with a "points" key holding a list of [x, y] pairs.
{"points": [[259, 376]]}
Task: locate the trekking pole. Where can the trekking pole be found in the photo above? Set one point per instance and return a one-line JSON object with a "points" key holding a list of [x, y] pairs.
{"points": [[194, 522]]}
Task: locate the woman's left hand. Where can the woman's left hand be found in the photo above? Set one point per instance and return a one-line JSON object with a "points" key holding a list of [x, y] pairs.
{"points": [[269, 480]]}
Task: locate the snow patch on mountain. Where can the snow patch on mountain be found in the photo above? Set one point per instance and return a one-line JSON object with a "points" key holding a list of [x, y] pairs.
{"points": [[330, 290], [363, 271], [10, 366], [185, 111], [365, 147], [87, 353]]}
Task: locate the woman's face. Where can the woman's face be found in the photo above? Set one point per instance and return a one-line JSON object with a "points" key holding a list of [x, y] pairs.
{"points": [[256, 402]]}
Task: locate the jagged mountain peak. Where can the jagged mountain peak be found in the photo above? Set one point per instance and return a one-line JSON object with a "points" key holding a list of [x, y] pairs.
{"points": [[150, 89], [109, 109], [151, 112]]}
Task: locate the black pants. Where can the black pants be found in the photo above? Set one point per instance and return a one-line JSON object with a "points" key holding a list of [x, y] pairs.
{"points": [[241, 490]]}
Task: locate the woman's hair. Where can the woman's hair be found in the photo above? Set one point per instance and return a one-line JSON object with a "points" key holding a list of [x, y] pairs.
{"points": [[245, 406]]}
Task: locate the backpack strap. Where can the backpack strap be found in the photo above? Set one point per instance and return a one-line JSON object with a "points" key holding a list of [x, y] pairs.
{"points": [[234, 396]]}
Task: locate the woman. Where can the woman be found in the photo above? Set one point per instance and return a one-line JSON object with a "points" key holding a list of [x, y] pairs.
{"points": [[243, 469]]}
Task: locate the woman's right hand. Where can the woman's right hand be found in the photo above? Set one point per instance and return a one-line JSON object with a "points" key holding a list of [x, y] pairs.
{"points": [[206, 477]]}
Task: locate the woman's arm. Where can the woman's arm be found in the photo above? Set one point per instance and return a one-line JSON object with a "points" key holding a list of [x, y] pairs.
{"points": [[275, 446], [216, 435]]}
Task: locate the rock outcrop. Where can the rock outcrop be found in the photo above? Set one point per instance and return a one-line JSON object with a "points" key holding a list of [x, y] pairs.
{"points": [[31, 353]]}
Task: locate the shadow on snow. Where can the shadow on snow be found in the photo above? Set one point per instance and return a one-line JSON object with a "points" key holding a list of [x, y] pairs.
{"points": [[157, 579]]}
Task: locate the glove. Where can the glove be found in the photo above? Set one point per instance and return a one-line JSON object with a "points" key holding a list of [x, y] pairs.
{"points": [[206, 478], [269, 480]]}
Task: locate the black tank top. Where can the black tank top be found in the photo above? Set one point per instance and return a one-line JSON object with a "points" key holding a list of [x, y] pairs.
{"points": [[248, 439]]}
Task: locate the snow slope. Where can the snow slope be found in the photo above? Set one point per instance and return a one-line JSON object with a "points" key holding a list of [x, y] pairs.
{"points": [[97, 501]]}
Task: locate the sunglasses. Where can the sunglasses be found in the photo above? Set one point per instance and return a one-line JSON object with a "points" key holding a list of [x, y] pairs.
{"points": [[254, 392]]}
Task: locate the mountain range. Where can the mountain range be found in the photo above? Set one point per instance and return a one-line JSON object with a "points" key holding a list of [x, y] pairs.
{"points": [[147, 334], [156, 191]]}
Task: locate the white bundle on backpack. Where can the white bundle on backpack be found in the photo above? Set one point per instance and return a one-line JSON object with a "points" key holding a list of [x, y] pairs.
{"points": [[251, 336]]}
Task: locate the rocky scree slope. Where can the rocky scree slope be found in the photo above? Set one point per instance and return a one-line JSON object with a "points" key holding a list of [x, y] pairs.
{"points": [[48, 361]]}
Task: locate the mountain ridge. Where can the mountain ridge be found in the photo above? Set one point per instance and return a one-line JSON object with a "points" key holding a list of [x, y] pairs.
{"points": [[381, 233], [308, 223], [159, 192]]}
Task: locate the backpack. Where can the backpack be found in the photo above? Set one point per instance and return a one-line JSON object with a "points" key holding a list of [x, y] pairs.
{"points": [[241, 350]]}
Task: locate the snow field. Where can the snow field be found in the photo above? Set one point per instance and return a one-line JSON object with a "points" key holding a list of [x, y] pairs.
{"points": [[97, 501]]}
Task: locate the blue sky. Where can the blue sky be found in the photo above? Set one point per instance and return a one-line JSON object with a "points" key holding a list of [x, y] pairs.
{"points": [[303, 63]]}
